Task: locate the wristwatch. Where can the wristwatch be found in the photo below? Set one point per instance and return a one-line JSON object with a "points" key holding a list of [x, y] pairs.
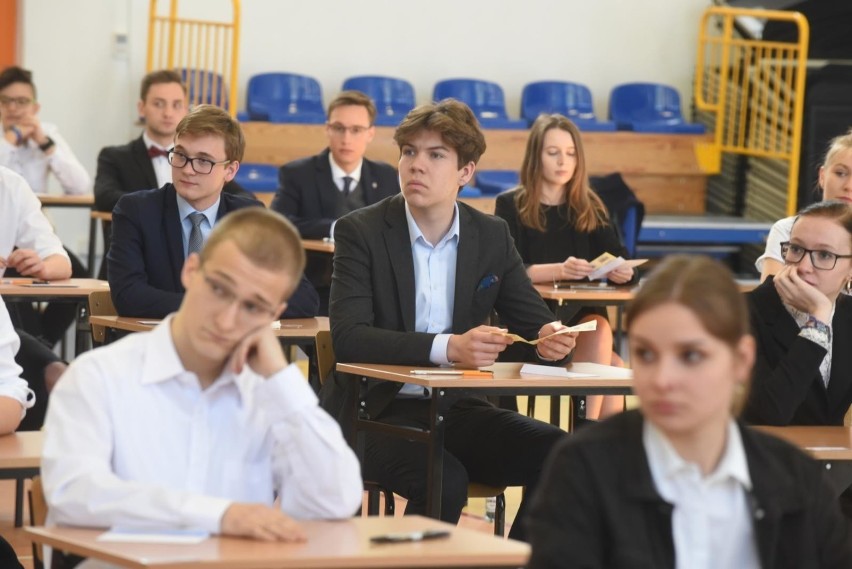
{"points": [[47, 145]]}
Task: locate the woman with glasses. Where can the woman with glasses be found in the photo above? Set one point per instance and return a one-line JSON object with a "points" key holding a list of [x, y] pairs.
{"points": [[835, 183], [680, 483], [803, 325]]}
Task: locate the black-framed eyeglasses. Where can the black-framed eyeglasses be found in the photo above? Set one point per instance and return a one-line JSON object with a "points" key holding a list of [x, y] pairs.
{"points": [[199, 165], [17, 101], [822, 260], [223, 295]]}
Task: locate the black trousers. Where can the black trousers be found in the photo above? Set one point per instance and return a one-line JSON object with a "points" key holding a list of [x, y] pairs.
{"points": [[33, 357], [481, 444]]}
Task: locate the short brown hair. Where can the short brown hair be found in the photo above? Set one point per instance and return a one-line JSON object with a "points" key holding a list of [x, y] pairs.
{"points": [[209, 120], [17, 74], [265, 237], [835, 210], [354, 98], [453, 120], [159, 77]]}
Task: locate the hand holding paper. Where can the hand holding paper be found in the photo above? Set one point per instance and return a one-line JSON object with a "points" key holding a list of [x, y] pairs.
{"points": [[584, 327], [607, 262]]}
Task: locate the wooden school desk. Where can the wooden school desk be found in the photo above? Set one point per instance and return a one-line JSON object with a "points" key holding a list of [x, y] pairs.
{"points": [[330, 544], [70, 290], [292, 330], [318, 245], [830, 445], [507, 380], [20, 458], [85, 202]]}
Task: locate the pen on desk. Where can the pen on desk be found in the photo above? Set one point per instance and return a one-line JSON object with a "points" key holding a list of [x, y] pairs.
{"points": [[436, 372]]}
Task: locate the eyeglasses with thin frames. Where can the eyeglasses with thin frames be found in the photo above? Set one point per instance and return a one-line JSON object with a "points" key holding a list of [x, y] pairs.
{"points": [[820, 259], [17, 101], [338, 129], [199, 165], [224, 296]]}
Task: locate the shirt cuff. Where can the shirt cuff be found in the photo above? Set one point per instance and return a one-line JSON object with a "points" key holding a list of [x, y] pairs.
{"points": [[206, 512], [285, 393], [817, 332], [438, 354]]}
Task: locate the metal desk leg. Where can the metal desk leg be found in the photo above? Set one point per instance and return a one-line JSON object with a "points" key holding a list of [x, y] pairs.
{"points": [[93, 227], [19, 502], [82, 331], [435, 464]]}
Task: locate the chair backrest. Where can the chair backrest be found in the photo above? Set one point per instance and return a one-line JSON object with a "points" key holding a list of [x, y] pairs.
{"points": [[38, 515], [325, 355], [570, 99], [257, 177], [485, 98], [100, 304], [644, 102], [283, 93], [204, 87], [493, 182], [392, 97]]}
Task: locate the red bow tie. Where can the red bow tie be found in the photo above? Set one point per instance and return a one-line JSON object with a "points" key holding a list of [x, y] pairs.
{"points": [[153, 152]]}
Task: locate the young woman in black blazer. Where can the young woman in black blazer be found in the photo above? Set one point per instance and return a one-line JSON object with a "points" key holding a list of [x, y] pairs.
{"points": [[680, 483], [559, 224]]}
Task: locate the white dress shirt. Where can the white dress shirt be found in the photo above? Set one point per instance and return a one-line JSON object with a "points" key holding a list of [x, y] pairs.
{"points": [[132, 439], [11, 384], [162, 168], [30, 162], [712, 520], [22, 223], [338, 173]]}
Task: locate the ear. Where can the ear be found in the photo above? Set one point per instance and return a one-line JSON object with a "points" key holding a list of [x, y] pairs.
{"points": [[191, 266], [745, 356], [139, 106], [231, 170], [821, 178], [466, 173], [36, 108]]}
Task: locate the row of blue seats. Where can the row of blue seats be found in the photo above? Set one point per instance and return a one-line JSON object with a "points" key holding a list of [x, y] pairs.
{"points": [[292, 98]]}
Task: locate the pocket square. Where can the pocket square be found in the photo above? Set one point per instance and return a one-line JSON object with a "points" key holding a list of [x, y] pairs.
{"points": [[487, 281]]}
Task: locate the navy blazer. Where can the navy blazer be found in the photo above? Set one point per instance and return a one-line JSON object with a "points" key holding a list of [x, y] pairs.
{"points": [[787, 388], [127, 168], [307, 195], [597, 505], [146, 256]]}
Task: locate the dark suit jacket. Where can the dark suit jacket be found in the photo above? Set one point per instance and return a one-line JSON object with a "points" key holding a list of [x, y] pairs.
{"points": [[597, 505], [127, 168], [787, 388], [308, 197], [146, 256], [372, 292]]}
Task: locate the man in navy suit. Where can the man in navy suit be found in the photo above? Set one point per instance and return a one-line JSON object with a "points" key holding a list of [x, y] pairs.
{"points": [[416, 278], [155, 230], [142, 163], [315, 191]]}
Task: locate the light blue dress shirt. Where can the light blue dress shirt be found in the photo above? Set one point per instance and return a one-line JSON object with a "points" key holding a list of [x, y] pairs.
{"points": [[434, 290], [184, 209]]}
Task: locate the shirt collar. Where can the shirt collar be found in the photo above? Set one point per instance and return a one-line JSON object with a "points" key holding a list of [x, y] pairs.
{"points": [[338, 173], [732, 464], [414, 232], [184, 209], [162, 362], [149, 142]]}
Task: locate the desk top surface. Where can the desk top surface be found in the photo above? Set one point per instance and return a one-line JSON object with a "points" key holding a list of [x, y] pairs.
{"points": [[506, 374], [290, 328], [331, 544], [320, 245], [821, 442], [86, 200], [68, 287], [21, 450]]}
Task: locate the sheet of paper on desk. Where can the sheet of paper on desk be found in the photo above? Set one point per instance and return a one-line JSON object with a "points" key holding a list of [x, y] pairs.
{"points": [[555, 371], [584, 327], [154, 535], [607, 262]]}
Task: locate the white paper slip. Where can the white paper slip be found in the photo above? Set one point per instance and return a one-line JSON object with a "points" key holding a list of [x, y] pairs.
{"points": [[154, 535], [607, 263], [553, 371], [582, 327], [818, 449]]}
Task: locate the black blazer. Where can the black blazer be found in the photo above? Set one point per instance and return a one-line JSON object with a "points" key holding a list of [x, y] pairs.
{"points": [[372, 292], [127, 168], [787, 388], [308, 197], [597, 505], [146, 256]]}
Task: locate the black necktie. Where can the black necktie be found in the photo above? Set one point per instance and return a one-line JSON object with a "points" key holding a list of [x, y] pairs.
{"points": [[347, 185]]}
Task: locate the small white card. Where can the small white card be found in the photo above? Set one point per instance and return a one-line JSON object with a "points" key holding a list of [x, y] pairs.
{"points": [[553, 371], [154, 535], [607, 262]]}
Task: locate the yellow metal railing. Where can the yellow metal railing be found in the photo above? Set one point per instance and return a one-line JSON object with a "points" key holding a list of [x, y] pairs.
{"points": [[205, 52], [754, 89]]}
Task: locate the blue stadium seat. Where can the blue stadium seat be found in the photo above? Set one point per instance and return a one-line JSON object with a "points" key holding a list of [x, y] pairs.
{"points": [[493, 182], [257, 177], [649, 107], [470, 192], [572, 100], [484, 98], [393, 97], [285, 98], [204, 87]]}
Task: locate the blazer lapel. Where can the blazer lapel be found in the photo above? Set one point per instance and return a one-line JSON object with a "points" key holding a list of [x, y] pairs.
{"points": [[174, 234], [368, 185], [398, 244], [140, 155], [327, 192], [467, 271]]}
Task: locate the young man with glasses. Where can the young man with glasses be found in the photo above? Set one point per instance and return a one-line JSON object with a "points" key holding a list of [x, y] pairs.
{"points": [[154, 231], [201, 423], [315, 191]]}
